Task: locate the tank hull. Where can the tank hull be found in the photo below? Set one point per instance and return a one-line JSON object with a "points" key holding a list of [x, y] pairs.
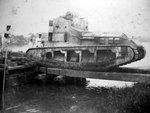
{"points": [[88, 58]]}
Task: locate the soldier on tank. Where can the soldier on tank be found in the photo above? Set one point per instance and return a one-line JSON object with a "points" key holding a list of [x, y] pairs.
{"points": [[50, 31], [39, 40], [69, 16]]}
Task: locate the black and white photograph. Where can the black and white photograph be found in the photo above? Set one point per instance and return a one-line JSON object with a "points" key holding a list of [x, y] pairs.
{"points": [[74, 56]]}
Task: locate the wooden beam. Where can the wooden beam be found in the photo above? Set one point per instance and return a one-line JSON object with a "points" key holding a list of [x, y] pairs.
{"points": [[120, 76]]}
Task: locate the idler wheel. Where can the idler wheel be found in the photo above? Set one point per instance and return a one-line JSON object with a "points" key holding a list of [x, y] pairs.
{"points": [[141, 52]]}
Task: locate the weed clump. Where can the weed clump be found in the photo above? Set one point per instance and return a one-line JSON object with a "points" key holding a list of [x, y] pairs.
{"points": [[134, 99]]}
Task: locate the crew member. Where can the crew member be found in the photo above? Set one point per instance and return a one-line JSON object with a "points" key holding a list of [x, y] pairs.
{"points": [[50, 32], [7, 37], [39, 40]]}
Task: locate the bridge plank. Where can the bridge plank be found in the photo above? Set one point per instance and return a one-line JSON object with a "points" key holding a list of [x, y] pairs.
{"points": [[119, 76]]}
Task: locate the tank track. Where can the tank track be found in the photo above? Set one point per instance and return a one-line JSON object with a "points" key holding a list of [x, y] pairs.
{"points": [[139, 53]]}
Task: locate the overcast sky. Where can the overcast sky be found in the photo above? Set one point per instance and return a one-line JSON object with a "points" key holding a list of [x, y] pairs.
{"points": [[129, 16]]}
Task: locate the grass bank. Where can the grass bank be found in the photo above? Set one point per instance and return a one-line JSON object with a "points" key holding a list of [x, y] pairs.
{"points": [[58, 98]]}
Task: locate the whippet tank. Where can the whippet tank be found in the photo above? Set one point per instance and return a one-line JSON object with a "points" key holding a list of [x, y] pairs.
{"points": [[70, 45]]}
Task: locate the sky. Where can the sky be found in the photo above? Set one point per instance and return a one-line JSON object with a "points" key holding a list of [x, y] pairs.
{"points": [[123, 16]]}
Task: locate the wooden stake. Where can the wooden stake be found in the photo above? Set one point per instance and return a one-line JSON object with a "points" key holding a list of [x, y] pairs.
{"points": [[4, 77]]}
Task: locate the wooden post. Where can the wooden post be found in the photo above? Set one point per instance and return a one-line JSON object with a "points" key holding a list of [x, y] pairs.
{"points": [[7, 35], [4, 79]]}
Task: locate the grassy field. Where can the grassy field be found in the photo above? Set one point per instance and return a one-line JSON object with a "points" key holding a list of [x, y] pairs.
{"points": [[58, 98]]}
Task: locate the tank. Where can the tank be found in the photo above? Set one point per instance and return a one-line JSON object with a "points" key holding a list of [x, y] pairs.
{"points": [[70, 45]]}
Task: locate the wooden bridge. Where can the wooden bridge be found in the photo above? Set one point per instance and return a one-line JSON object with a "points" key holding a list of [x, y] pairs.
{"points": [[120, 74], [25, 72], [18, 75]]}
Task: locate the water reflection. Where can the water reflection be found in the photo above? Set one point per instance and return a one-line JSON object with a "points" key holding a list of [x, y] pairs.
{"points": [[54, 97], [108, 83]]}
